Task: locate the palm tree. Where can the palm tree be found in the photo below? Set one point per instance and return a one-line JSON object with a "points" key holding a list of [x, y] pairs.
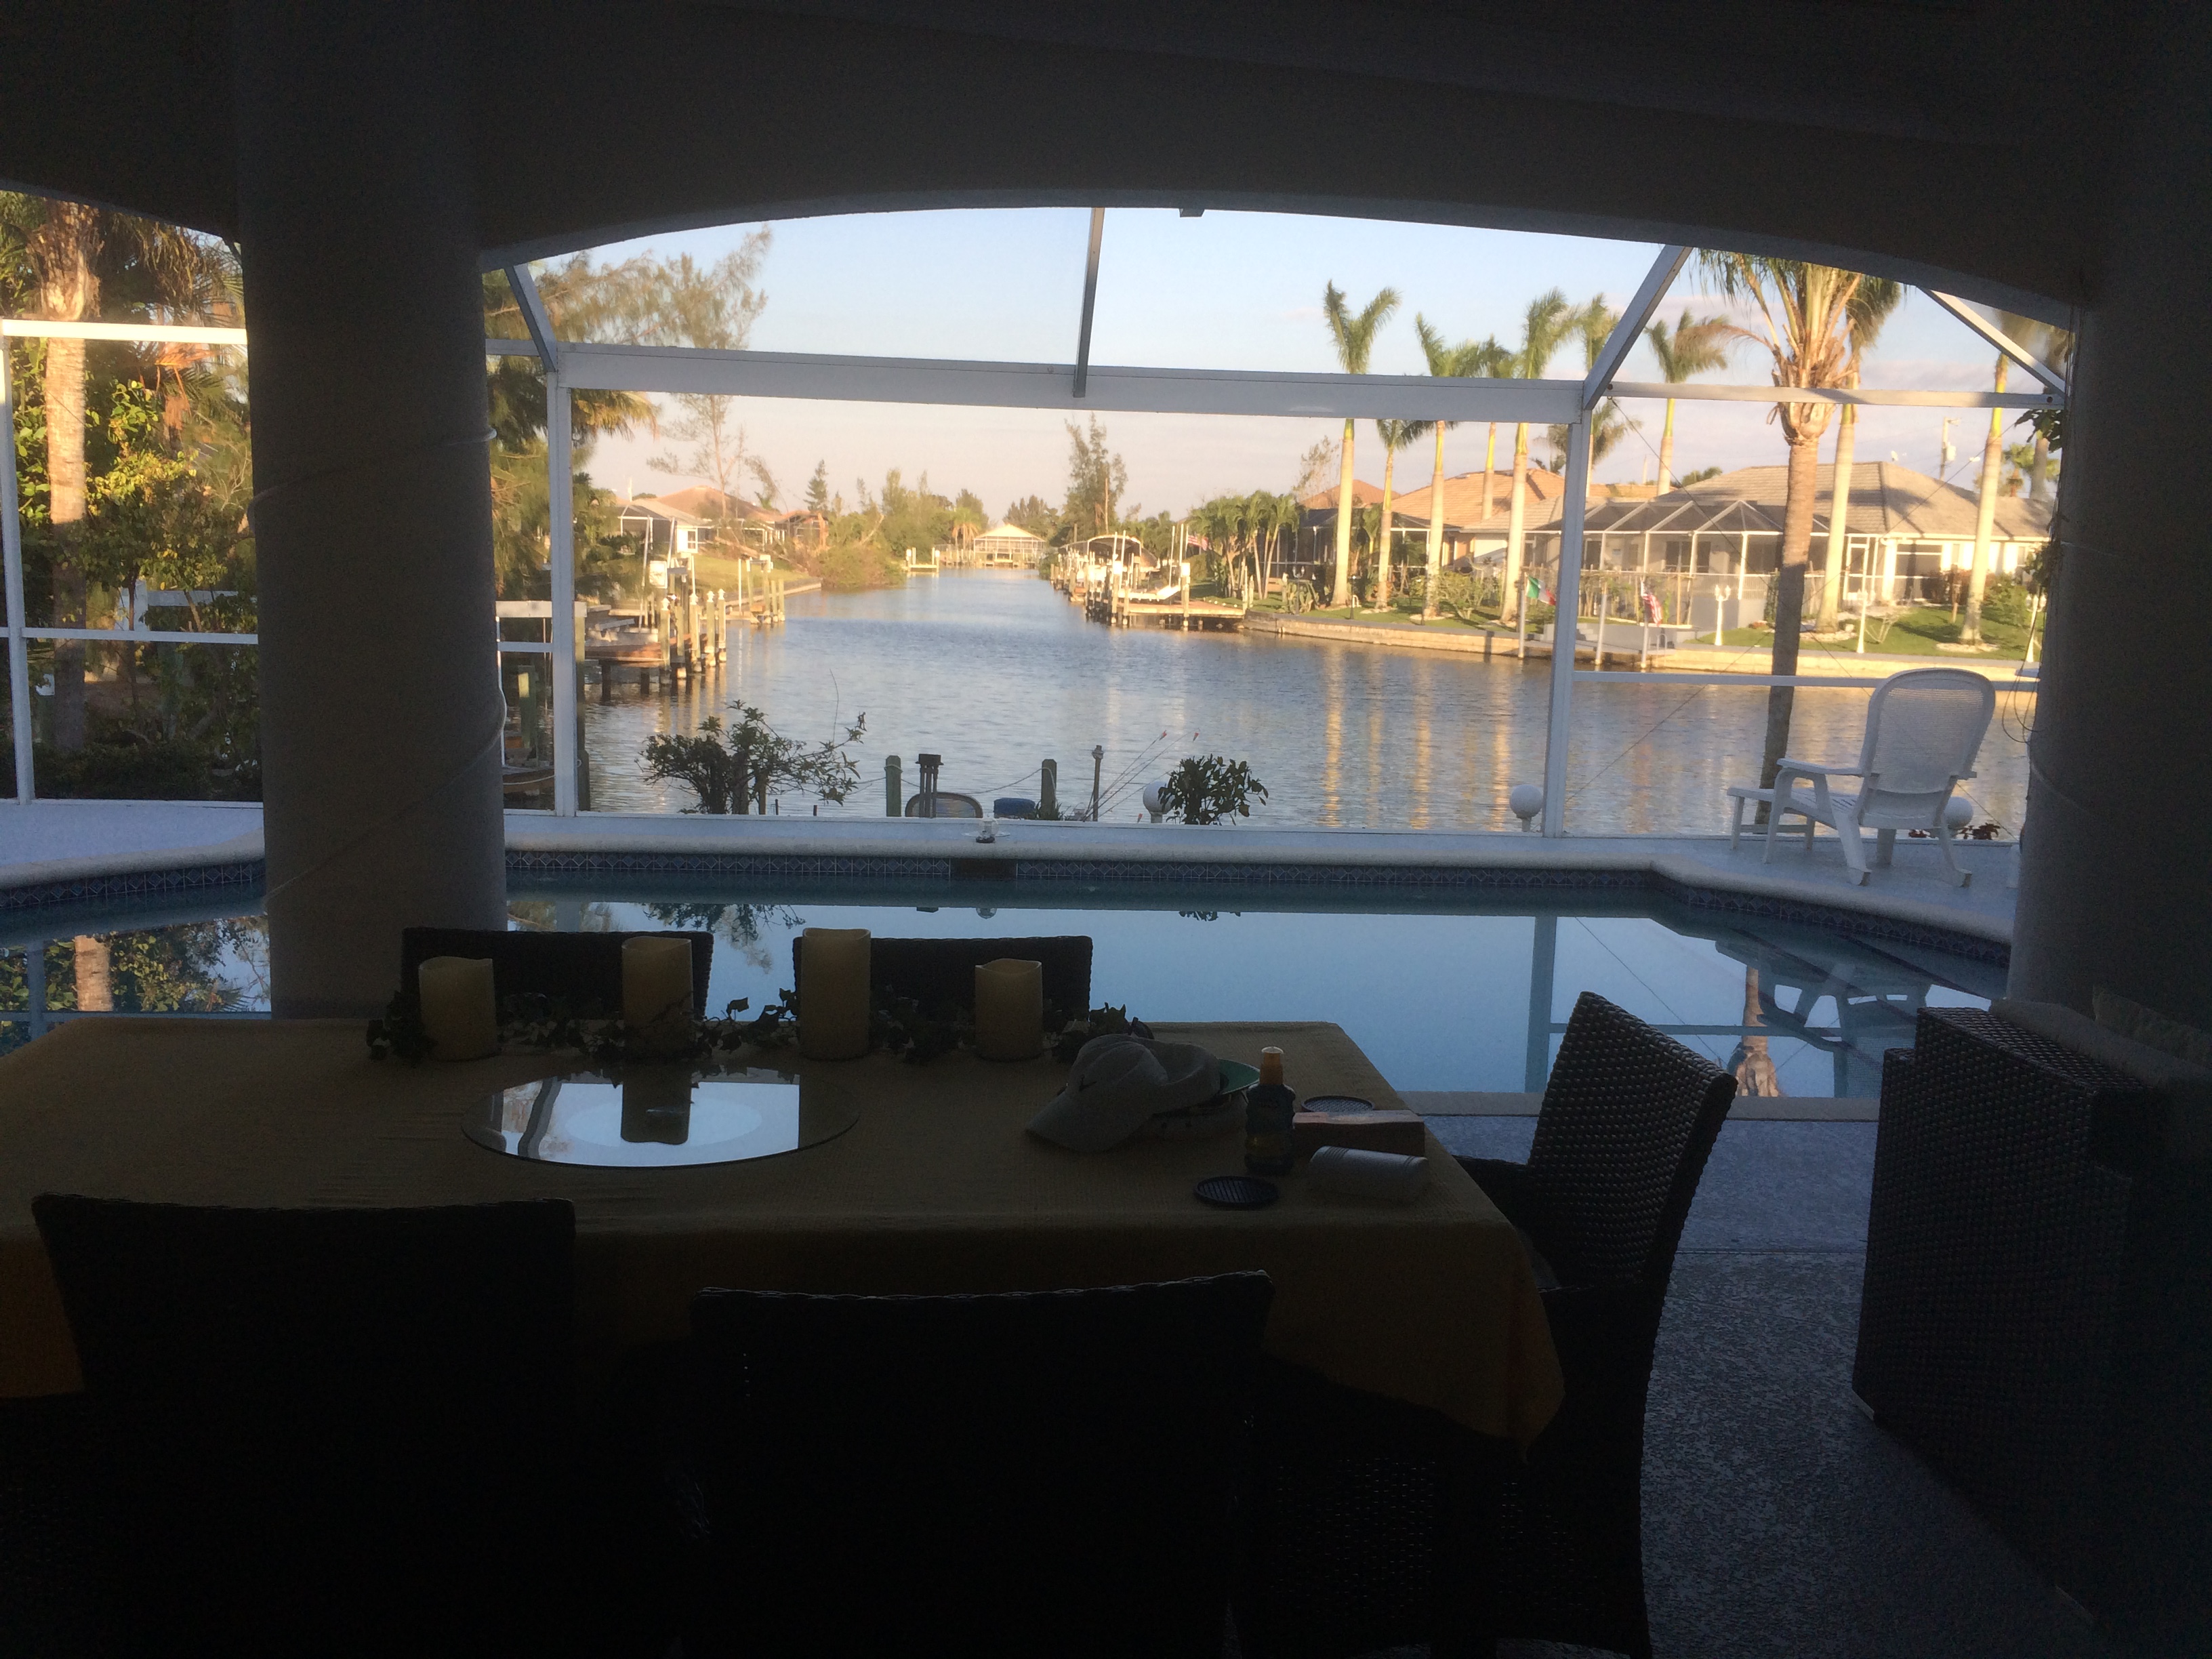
{"points": [[1284, 513], [1865, 325], [1810, 315], [77, 257], [2036, 337], [1354, 337], [1395, 435], [1467, 358], [1692, 347], [1544, 329]]}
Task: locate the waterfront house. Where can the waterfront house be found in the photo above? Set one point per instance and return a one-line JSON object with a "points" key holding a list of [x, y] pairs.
{"points": [[1468, 530], [668, 532], [1904, 533], [1008, 544]]}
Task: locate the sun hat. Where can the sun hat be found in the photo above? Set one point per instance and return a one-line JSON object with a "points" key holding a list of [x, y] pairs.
{"points": [[1119, 1082]]}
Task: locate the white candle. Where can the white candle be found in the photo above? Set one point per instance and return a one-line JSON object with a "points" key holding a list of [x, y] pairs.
{"points": [[656, 986], [833, 993], [1009, 1009], [460, 1011]]}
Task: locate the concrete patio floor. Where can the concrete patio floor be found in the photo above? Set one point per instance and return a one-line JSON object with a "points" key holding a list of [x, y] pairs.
{"points": [[1778, 1519]]}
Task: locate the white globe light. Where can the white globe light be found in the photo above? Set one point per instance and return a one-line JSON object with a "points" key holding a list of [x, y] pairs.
{"points": [[1526, 800], [1958, 814]]}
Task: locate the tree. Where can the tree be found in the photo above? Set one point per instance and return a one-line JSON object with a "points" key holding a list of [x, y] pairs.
{"points": [[1095, 478], [586, 301], [713, 306], [77, 259], [817, 488], [2037, 337], [1810, 316], [1608, 425], [1395, 435], [1035, 515], [1544, 327], [1692, 347], [1316, 467], [1467, 358], [1354, 338], [738, 769]]}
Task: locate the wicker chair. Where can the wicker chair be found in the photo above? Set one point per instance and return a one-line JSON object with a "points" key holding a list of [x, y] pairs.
{"points": [[582, 970], [335, 1431], [2036, 1319], [1628, 1119], [1376, 1525], [936, 971], [981, 1475], [55, 1600]]}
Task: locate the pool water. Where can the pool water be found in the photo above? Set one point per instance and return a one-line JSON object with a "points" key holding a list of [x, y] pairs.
{"points": [[1442, 991]]}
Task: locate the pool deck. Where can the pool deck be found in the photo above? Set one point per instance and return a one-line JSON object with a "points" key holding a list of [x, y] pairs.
{"points": [[70, 852]]}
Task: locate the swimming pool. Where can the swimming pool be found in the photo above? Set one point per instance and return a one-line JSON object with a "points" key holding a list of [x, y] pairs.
{"points": [[1444, 990]]}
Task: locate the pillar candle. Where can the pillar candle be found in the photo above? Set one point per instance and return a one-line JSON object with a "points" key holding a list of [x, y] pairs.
{"points": [[656, 986], [1009, 1009], [833, 993], [460, 1012]]}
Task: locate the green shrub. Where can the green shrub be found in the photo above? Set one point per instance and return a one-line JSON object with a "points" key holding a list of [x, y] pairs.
{"points": [[1206, 789], [2005, 602], [142, 771]]}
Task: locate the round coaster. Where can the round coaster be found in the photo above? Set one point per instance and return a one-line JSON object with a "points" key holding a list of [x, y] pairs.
{"points": [[1335, 1105], [1236, 1192]]}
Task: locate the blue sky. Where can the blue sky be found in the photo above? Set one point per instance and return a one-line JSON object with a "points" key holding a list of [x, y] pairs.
{"points": [[1230, 290]]}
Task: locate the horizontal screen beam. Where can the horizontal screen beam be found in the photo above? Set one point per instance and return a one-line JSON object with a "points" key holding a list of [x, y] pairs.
{"points": [[1699, 391], [1051, 385]]}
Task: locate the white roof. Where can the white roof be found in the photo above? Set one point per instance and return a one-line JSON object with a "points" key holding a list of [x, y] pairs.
{"points": [[1011, 532]]}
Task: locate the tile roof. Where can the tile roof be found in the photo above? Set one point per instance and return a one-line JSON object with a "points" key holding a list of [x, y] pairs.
{"points": [[1887, 501]]}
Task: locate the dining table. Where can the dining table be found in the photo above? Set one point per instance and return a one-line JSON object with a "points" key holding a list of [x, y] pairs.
{"points": [[936, 1187]]}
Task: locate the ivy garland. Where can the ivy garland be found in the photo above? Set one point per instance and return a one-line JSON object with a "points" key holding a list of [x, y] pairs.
{"points": [[897, 1025]]}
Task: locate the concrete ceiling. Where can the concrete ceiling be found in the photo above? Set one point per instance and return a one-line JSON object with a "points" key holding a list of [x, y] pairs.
{"points": [[1953, 142]]}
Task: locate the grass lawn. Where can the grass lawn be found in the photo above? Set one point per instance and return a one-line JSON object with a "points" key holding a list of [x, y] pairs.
{"points": [[1914, 633]]}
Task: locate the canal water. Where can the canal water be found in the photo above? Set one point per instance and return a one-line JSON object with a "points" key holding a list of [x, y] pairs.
{"points": [[996, 671]]}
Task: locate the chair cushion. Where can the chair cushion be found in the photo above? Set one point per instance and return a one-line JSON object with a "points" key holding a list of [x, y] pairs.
{"points": [[2185, 1089], [2132, 1020]]}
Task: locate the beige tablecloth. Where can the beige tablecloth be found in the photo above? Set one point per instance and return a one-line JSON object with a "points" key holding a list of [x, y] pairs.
{"points": [[937, 1188]]}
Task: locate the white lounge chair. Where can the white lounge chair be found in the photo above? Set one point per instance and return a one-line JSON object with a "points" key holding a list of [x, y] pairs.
{"points": [[1923, 729]]}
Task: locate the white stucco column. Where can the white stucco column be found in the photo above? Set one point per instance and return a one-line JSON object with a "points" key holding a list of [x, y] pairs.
{"points": [[381, 712], [2116, 882]]}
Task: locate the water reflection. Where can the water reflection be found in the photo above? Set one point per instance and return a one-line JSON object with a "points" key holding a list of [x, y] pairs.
{"points": [[1442, 989], [996, 672]]}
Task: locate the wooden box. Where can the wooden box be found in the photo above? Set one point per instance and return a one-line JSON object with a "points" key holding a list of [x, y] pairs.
{"points": [[1376, 1131]]}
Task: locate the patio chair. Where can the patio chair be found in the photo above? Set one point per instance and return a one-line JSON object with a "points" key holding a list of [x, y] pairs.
{"points": [[1628, 1119], [1923, 729], [936, 971], [1049, 1471], [333, 1431], [2037, 1316], [582, 970]]}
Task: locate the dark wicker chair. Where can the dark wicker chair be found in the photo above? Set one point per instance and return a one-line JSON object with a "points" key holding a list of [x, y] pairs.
{"points": [[1377, 1525], [2036, 1319], [1628, 1118], [334, 1431], [579, 968], [936, 971], [55, 1599], [973, 1475]]}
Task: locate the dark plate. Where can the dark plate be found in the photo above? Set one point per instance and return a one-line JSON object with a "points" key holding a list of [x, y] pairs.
{"points": [[1335, 1105], [1236, 1192]]}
